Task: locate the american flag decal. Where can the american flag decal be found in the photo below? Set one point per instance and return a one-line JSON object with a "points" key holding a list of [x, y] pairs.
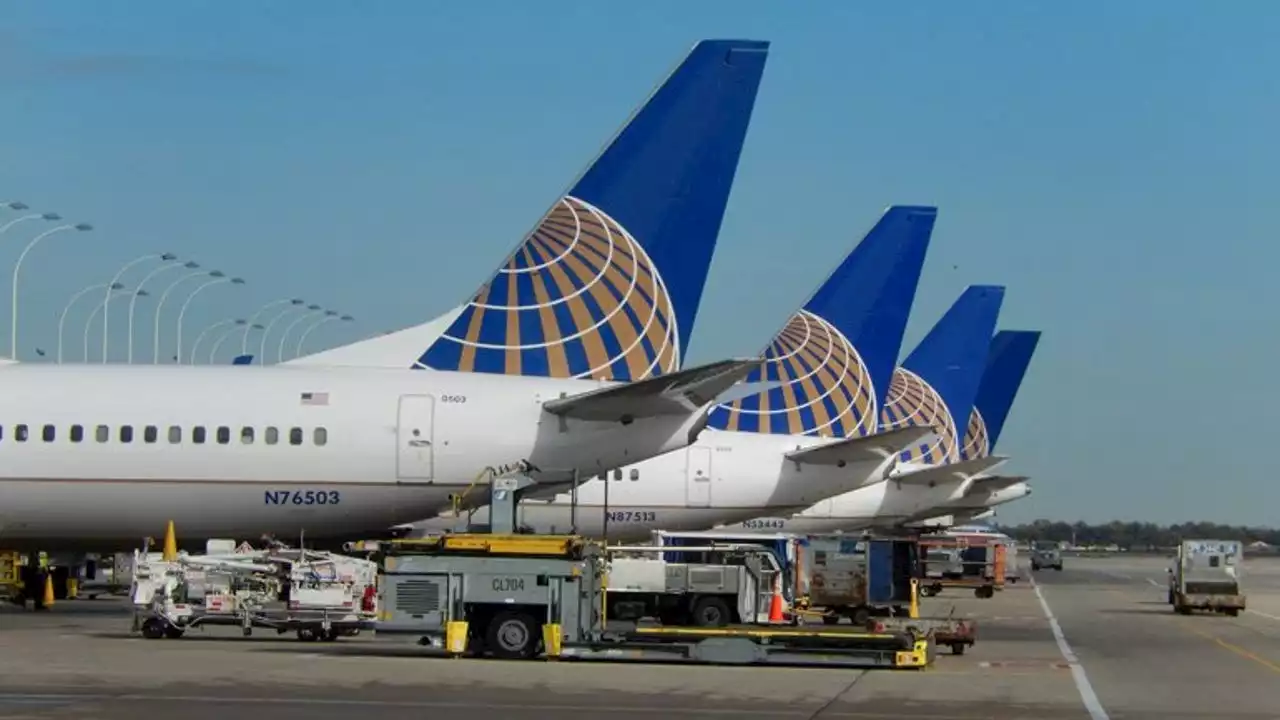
{"points": [[314, 398]]}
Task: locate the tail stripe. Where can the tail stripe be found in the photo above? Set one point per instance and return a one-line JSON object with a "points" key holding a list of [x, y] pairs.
{"points": [[912, 402], [977, 443]]}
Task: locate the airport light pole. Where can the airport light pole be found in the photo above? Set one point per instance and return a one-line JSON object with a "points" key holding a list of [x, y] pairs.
{"points": [[17, 266], [232, 331], [328, 317], [183, 312], [155, 340], [262, 351], [62, 319], [106, 310], [207, 330], [88, 324], [313, 311], [134, 301], [244, 342]]}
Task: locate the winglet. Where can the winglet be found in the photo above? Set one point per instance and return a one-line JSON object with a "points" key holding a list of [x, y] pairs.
{"points": [[679, 393]]}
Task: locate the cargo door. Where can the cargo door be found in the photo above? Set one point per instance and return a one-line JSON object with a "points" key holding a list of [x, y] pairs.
{"points": [[698, 476], [880, 567], [415, 458]]}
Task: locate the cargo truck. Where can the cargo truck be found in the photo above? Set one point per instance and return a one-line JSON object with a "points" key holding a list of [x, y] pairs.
{"points": [[1206, 576]]}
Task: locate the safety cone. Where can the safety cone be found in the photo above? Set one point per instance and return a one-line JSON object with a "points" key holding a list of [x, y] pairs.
{"points": [[775, 608], [170, 543], [47, 601]]}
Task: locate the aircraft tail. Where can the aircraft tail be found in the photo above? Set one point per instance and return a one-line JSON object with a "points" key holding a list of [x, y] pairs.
{"points": [[939, 379], [1007, 363], [607, 285], [830, 366]]}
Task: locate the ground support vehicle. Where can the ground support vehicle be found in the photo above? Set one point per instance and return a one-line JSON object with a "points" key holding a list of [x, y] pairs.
{"points": [[969, 562], [523, 596], [1206, 576], [317, 595]]}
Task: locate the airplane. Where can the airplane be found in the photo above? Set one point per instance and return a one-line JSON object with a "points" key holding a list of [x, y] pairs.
{"points": [[940, 377], [568, 360], [1007, 363], [809, 436]]}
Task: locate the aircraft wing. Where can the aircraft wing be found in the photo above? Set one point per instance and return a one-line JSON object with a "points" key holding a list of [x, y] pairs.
{"points": [[678, 393], [851, 450], [993, 483], [965, 471]]}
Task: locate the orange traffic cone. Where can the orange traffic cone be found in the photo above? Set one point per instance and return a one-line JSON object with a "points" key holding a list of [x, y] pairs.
{"points": [[775, 608]]}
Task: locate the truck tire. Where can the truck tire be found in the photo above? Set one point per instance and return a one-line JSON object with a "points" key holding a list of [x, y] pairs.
{"points": [[710, 612], [511, 635], [860, 616], [153, 628]]}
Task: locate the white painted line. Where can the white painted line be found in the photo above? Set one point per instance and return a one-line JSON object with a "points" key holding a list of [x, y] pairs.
{"points": [[1265, 615], [1087, 695], [1153, 582]]}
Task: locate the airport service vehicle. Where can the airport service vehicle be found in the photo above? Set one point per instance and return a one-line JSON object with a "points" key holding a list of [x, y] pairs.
{"points": [[939, 377], [1206, 576], [566, 362], [318, 595], [807, 437], [1046, 556], [528, 595]]}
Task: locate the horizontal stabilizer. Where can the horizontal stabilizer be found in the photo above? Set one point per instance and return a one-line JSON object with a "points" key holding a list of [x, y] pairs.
{"points": [[994, 483], [860, 449], [679, 393], [953, 472]]}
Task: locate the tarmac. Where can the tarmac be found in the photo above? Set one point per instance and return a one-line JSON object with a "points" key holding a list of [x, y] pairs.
{"points": [[1096, 640]]}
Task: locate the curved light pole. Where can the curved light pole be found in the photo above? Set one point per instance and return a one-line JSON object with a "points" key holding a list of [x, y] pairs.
{"points": [[134, 301], [214, 326], [244, 343], [313, 311], [331, 315], [88, 324], [183, 312], [14, 205], [228, 333], [106, 309], [24, 218], [262, 351], [13, 320], [62, 319], [155, 340]]}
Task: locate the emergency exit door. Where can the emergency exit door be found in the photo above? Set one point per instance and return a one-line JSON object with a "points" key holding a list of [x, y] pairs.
{"points": [[415, 454], [698, 477]]}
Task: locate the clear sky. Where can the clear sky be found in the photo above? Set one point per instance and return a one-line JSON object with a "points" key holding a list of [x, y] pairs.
{"points": [[1114, 164]]}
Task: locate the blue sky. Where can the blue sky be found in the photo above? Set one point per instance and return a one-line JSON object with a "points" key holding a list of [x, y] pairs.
{"points": [[1114, 164]]}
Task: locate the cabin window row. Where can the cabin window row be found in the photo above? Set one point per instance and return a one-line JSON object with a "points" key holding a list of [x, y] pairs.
{"points": [[198, 434]]}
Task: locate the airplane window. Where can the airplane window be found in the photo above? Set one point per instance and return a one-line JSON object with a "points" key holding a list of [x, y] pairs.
{"points": [[272, 436], [48, 433], [126, 433], [102, 433], [320, 436], [295, 436], [635, 474], [246, 435], [77, 433], [150, 433], [617, 474], [1, 431], [224, 435], [20, 433], [175, 434], [197, 434]]}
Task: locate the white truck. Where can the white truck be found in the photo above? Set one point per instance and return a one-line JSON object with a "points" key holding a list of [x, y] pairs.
{"points": [[1206, 576], [319, 595]]}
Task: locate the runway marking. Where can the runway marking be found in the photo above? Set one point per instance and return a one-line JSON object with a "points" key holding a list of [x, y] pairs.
{"points": [[1087, 695], [1153, 582], [1265, 615], [1273, 667]]}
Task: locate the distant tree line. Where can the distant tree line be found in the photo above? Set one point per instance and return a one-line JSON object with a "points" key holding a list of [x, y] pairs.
{"points": [[1137, 535]]}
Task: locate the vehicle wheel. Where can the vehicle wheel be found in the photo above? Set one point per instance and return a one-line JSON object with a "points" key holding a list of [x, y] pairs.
{"points": [[153, 628], [331, 635], [1057, 568], [173, 632], [957, 648], [710, 612], [306, 634], [860, 616], [1034, 567], [1233, 612], [830, 619], [512, 635]]}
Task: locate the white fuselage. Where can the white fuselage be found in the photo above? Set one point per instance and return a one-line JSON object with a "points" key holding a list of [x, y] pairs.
{"points": [[882, 504], [724, 477], [114, 451]]}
